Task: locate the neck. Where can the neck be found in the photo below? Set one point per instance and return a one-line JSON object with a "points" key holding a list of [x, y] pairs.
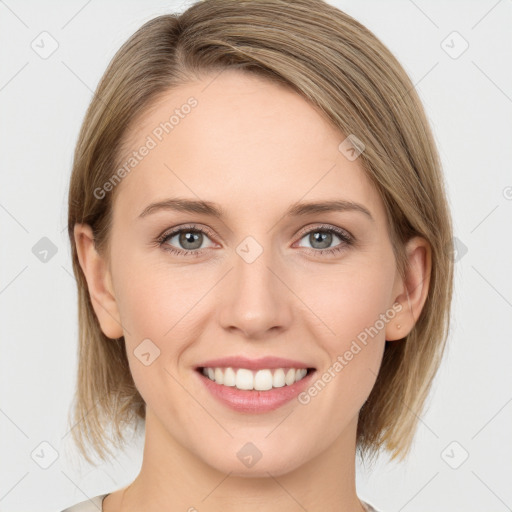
{"points": [[172, 477]]}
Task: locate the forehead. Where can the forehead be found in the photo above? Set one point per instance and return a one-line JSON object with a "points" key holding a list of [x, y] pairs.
{"points": [[241, 141]]}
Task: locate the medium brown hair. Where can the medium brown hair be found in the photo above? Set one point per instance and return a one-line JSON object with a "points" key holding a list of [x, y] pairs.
{"points": [[344, 70]]}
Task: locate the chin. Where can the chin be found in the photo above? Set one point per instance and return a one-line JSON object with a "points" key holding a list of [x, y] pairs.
{"points": [[249, 462]]}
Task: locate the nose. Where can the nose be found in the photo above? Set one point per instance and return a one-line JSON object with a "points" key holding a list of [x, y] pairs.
{"points": [[254, 299]]}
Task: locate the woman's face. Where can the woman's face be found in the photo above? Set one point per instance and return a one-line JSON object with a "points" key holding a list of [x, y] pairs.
{"points": [[258, 281]]}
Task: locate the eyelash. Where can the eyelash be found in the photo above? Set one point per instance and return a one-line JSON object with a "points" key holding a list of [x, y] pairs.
{"points": [[346, 238]]}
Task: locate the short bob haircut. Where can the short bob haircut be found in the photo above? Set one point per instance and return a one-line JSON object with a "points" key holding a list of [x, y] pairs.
{"points": [[345, 71]]}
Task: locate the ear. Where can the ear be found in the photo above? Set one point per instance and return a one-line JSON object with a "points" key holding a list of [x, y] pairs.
{"points": [[411, 292], [99, 282]]}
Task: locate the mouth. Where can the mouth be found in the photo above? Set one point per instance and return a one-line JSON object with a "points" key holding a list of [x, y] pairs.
{"points": [[254, 386], [246, 379]]}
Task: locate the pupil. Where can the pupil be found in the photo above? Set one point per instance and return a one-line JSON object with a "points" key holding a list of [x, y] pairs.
{"points": [[189, 237], [324, 238]]}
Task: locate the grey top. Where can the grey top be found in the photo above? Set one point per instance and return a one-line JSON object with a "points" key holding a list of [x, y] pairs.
{"points": [[92, 505], [95, 505]]}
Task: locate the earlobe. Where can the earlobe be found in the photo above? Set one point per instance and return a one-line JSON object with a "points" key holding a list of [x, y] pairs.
{"points": [[412, 291], [99, 282]]}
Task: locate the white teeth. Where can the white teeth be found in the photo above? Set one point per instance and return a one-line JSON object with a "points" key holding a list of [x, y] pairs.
{"points": [[300, 374], [290, 377], [278, 378], [219, 376], [261, 380], [244, 379], [229, 377]]}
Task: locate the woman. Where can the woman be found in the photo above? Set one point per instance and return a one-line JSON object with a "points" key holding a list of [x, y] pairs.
{"points": [[262, 246]]}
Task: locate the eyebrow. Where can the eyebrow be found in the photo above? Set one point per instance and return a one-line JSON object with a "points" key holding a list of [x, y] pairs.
{"points": [[215, 210]]}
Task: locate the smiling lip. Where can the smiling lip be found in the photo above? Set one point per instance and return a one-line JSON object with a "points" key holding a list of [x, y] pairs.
{"points": [[269, 362], [253, 401]]}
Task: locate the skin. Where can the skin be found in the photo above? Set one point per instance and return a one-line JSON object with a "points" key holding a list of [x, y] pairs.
{"points": [[254, 148]]}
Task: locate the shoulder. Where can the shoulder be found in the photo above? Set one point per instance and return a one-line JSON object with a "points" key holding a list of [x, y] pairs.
{"points": [[369, 508], [90, 505], [95, 505]]}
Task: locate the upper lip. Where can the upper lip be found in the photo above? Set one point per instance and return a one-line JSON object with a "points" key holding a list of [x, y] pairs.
{"points": [[269, 362]]}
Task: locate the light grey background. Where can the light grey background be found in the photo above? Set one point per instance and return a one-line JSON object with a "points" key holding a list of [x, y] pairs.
{"points": [[469, 102]]}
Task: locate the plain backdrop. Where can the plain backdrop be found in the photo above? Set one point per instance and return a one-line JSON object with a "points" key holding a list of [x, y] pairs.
{"points": [[457, 54]]}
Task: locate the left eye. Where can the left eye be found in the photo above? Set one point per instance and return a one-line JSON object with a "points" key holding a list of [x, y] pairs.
{"points": [[322, 239], [188, 239]]}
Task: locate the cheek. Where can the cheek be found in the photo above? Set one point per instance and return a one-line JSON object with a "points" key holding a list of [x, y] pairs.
{"points": [[160, 304], [351, 305], [153, 297], [156, 306], [350, 302]]}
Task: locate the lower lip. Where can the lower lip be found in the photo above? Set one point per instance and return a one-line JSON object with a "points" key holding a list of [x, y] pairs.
{"points": [[253, 401]]}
